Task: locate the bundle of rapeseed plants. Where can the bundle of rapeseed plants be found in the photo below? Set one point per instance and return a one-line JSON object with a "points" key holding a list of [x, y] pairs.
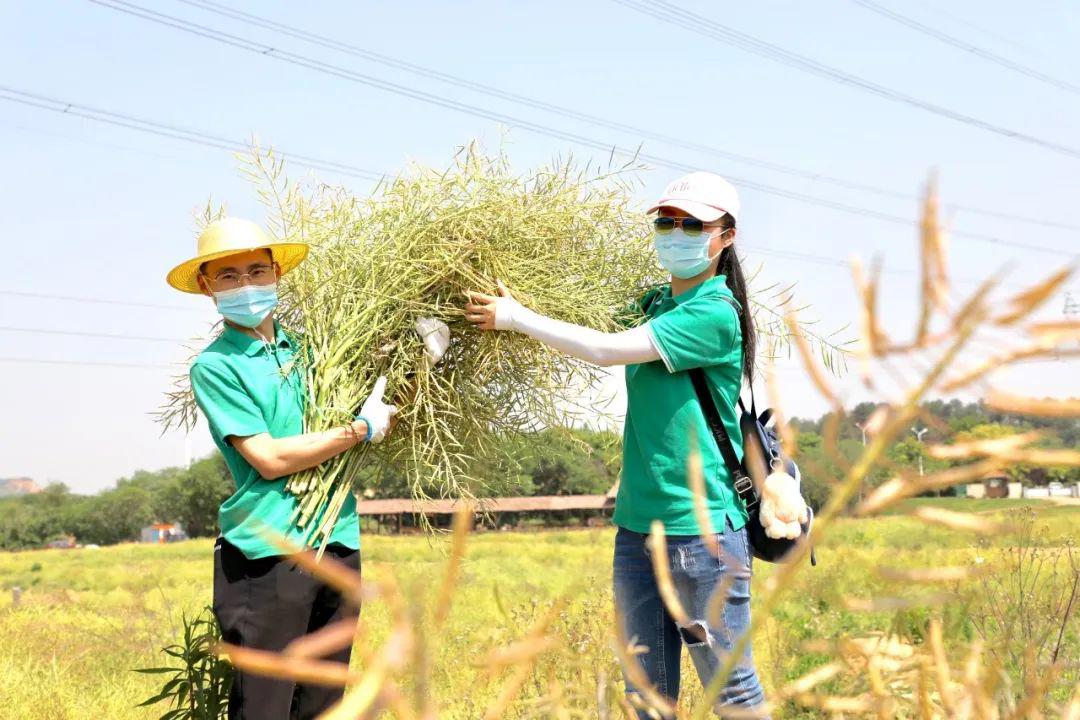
{"points": [[567, 240]]}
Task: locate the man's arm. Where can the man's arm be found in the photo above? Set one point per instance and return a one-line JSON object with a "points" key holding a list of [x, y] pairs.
{"points": [[235, 419], [274, 458]]}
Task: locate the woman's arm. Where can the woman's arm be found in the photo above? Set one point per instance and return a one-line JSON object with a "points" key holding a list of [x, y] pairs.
{"points": [[503, 312]]}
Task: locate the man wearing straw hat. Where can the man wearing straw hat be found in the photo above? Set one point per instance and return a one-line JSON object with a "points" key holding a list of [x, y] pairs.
{"points": [[252, 393]]}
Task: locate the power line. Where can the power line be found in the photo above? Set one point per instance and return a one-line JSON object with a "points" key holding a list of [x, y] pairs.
{"points": [[999, 37], [845, 266], [966, 46], [563, 111], [169, 131], [86, 363], [80, 333], [96, 141], [823, 260], [430, 98], [105, 301], [796, 256], [687, 20]]}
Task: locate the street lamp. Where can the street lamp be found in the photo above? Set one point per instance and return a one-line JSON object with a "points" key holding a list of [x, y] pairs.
{"points": [[918, 434]]}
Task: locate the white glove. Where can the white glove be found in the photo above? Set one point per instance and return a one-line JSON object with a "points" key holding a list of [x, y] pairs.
{"points": [[508, 311], [377, 413], [782, 506], [436, 337]]}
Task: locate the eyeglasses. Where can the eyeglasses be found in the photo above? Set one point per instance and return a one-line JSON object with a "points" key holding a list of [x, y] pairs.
{"points": [[691, 226], [258, 275]]}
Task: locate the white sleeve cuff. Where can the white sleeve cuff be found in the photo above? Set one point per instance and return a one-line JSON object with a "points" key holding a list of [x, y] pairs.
{"points": [[659, 348]]}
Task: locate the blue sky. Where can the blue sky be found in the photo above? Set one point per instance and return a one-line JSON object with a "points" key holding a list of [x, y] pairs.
{"points": [[95, 211]]}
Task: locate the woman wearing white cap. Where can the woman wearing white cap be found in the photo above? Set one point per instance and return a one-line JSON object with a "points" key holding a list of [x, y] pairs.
{"points": [[699, 320]]}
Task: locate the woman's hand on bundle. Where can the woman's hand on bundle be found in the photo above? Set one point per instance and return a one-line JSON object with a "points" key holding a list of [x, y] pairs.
{"points": [[782, 506], [492, 312], [376, 413]]}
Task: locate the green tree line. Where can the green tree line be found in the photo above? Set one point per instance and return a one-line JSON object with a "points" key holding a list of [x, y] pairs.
{"points": [[189, 495], [565, 462], [550, 462], [946, 422]]}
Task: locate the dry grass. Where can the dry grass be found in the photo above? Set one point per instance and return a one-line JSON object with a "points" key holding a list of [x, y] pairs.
{"points": [[93, 615]]}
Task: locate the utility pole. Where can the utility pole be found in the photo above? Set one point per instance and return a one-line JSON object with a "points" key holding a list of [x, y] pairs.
{"points": [[918, 434], [1071, 311], [862, 427]]}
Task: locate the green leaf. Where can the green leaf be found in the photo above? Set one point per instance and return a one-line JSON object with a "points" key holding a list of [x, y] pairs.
{"points": [[156, 699], [170, 687]]}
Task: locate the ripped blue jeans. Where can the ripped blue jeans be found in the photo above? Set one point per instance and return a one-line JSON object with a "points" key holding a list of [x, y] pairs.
{"points": [[696, 573]]}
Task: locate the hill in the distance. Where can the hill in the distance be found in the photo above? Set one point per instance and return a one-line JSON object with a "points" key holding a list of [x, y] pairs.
{"points": [[18, 486]]}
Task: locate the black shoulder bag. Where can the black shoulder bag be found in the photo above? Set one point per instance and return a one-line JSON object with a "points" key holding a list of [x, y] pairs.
{"points": [[762, 447]]}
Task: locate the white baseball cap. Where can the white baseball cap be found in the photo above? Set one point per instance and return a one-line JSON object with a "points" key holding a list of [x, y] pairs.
{"points": [[706, 196]]}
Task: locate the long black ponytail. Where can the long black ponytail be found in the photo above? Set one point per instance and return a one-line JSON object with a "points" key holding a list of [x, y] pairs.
{"points": [[730, 268]]}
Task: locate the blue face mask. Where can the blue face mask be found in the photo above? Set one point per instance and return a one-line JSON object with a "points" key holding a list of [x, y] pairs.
{"points": [[247, 305], [682, 255]]}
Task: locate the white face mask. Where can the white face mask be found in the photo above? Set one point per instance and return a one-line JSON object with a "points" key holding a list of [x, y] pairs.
{"points": [[247, 305], [684, 256]]}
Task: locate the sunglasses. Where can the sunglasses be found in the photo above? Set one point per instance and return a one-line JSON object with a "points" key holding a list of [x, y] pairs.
{"points": [[691, 226]]}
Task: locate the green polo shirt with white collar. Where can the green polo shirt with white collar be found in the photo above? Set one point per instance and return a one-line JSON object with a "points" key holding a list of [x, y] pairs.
{"points": [[247, 387], [696, 329]]}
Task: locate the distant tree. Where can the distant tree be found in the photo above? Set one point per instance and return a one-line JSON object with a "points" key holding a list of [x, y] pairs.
{"points": [[159, 483], [862, 412], [1058, 473], [196, 493], [1017, 472], [45, 513], [819, 473], [123, 513], [907, 452], [23, 524], [575, 462]]}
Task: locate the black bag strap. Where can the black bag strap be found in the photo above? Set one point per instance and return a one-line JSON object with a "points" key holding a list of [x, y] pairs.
{"points": [[744, 485], [753, 401]]}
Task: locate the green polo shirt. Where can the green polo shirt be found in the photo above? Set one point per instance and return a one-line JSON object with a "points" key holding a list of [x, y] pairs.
{"points": [[246, 387], [697, 329]]}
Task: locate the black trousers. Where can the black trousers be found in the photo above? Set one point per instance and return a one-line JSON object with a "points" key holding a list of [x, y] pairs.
{"points": [[266, 604]]}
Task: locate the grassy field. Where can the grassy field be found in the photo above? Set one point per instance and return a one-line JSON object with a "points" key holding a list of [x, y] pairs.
{"points": [[88, 616]]}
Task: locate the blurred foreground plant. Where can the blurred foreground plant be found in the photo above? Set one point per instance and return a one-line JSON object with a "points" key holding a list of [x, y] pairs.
{"points": [[891, 676], [197, 687], [1024, 609]]}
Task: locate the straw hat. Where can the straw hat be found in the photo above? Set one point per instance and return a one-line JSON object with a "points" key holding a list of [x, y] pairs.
{"points": [[230, 236]]}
